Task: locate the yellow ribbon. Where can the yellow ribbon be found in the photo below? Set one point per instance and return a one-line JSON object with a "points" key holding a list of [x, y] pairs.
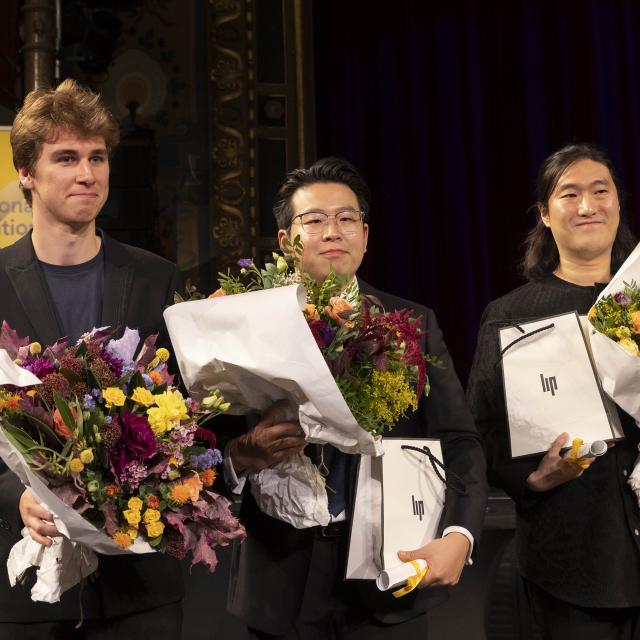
{"points": [[412, 581], [573, 456]]}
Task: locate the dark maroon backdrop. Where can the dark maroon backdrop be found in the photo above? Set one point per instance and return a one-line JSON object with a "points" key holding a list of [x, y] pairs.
{"points": [[448, 110]]}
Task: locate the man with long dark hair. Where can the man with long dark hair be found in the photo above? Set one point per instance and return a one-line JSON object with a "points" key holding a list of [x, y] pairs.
{"points": [[578, 531]]}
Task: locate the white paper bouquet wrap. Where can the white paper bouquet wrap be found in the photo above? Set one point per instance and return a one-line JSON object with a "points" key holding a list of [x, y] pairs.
{"points": [[257, 348], [618, 369], [72, 556]]}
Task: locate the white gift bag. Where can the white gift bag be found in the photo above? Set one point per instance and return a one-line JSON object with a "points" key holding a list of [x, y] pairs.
{"points": [[398, 504], [551, 386]]}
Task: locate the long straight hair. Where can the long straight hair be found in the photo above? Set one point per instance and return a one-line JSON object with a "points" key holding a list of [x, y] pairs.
{"points": [[541, 255]]}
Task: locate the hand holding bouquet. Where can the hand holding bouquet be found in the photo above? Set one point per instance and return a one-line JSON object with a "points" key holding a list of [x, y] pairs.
{"points": [[115, 442], [351, 369]]}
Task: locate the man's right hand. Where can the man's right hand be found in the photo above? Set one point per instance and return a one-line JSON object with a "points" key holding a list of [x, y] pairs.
{"points": [[553, 469], [37, 519], [269, 442]]}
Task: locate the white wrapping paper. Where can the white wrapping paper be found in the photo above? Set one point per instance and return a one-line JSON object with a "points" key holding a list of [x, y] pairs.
{"points": [[618, 369], [78, 562], [257, 348]]}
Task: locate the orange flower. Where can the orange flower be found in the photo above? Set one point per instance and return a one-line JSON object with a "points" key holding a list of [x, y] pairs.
{"points": [[337, 309], [156, 377], [218, 293], [122, 539], [60, 426], [195, 485], [208, 477], [111, 490], [635, 321], [152, 502], [13, 403], [180, 493]]}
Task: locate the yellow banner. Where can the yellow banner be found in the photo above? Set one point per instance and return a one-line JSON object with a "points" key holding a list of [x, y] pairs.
{"points": [[15, 213]]}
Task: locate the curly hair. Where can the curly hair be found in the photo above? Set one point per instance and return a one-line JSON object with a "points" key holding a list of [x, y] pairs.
{"points": [[47, 112]]}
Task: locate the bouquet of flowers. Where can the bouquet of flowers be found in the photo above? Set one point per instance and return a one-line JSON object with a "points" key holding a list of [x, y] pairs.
{"points": [[615, 337], [617, 316], [374, 356], [615, 341], [114, 441], [348, 368]]}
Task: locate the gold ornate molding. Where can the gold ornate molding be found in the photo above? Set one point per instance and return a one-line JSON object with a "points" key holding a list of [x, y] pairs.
{"points": [[231, 130]]}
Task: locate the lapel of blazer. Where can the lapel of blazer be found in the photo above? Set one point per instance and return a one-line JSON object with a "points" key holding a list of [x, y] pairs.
{"points": [[118, 278], [31, 291]]}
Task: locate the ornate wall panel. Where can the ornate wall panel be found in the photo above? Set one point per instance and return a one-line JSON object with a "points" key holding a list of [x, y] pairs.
{"points": [[261, 116]]}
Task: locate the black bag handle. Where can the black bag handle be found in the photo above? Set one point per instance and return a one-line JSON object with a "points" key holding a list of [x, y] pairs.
{"points": [[455, 483]]}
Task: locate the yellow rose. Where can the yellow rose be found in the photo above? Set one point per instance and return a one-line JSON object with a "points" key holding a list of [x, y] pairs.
{"points": [[113, 397], [155, 529], [86, 456], [135, 503], [151, 515], [132, 532], [143, 396], [76, 465], [132, 516], [162, 354]]}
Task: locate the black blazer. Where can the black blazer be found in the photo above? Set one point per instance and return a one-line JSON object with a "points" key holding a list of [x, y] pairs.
{"points": [[137, 287], [270, 567]]}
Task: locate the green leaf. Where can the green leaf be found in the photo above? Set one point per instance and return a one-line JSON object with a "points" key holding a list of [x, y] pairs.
{"points": [[65, 411], [44, 427], [81, 351]]}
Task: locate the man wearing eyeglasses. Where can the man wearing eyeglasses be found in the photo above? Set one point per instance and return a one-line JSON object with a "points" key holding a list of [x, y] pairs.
{"points": [[289, 583]]}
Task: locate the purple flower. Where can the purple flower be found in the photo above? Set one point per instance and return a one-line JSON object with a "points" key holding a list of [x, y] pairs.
{"points": [[114, 363], [137, 442], [40, 367], [210, 458], [622, 299], [245, 262], [89, 402], [322, 332]]}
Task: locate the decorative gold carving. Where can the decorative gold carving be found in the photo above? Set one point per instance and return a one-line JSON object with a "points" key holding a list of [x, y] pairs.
{"points": [[232, 130]]}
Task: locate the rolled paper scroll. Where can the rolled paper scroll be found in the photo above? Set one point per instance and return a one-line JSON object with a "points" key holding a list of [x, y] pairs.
{"points": [[396, 576]]}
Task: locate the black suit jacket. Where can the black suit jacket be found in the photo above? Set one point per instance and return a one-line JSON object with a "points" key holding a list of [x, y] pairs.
{"points": [[271, 566], [137, 287]]}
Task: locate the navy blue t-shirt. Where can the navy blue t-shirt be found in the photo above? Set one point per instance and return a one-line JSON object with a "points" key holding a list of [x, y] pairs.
{"points": [[76, 291]]}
